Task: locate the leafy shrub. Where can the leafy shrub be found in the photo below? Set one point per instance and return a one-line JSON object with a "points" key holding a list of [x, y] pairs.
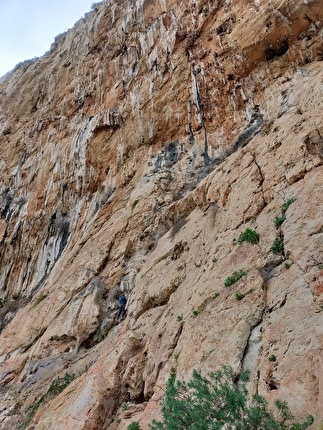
{"points": [[134, 426], [2, 302], [179, 318], [278, 246], [195, 313], [56, 387], [286, 204], [234, 278], [216, 295], [217, 403], [279, 220], [134, 204], [239, 296], [250, 236], [59, 384], [272, 358]]}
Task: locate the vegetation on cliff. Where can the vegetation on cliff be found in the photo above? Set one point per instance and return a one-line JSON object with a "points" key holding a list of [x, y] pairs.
{"points": [[220, 402]]}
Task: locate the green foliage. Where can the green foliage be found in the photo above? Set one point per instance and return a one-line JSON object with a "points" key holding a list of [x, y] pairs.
{"points": [[216, 295], [239, 296], [214, 260], [134, 204], [179, 318], [234, 278], [272, 358], [321, 266], [279, 220], [286, 204], [195, 313], [250, 236], [124, 406], [176, 356], [56, 387], [287, 265], [217, 403], [39, 299], [278, 246], [2, 302], [134, 426], [59, 384]]}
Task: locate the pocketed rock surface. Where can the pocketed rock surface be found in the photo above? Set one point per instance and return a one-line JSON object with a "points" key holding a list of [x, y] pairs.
{"points": [[133, 155]]}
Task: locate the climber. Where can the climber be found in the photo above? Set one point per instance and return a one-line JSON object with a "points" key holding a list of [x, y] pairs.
{"points": [[122, 306]]}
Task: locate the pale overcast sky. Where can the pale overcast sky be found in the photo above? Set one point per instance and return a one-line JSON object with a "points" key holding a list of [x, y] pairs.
{"points": [[29, 27]]}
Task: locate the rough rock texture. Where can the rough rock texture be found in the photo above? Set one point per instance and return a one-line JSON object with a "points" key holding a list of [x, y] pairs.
{"points": [[133, 155]]}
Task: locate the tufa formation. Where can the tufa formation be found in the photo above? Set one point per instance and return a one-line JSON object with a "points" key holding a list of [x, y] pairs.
{"points": [[172, 151]]}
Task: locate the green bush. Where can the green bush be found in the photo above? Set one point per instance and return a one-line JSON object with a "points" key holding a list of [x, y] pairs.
{"points": [[195, 313], [239, 296], [278, 246], [286, 204], [59, 384], [217, 403], [179, 318], [234, 278], [134, 426], [279, 220], [250, 236], [56, 387], [272, 358]]}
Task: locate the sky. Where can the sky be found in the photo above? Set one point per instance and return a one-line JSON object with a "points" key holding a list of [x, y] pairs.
{"points": [[29, 27]]}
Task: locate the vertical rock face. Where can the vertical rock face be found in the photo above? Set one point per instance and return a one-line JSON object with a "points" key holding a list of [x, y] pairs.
{"points": [[133, 155]]}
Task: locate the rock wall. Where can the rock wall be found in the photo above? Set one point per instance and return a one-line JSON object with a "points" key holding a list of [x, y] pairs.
{"points": [[133, 155]]}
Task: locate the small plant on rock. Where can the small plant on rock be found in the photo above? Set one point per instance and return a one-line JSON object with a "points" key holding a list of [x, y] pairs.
{"points": [[278, 246], [272, 358], [216, 295], [286, 204], [179, 318], [250, 236], [39, 299], [239, 296], [134, 426], [234, 278], [195, 313], [57, 386], [134, 204], [279, 220]]}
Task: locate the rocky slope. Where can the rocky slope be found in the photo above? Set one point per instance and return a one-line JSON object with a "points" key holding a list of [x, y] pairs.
{"points": [[133, 155]]}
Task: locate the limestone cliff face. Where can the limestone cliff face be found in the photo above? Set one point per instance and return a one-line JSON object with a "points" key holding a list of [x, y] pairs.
{"points": [[133, 155]]}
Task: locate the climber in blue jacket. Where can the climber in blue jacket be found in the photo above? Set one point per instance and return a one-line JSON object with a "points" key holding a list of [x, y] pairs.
{"points": [[122, 306]]}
